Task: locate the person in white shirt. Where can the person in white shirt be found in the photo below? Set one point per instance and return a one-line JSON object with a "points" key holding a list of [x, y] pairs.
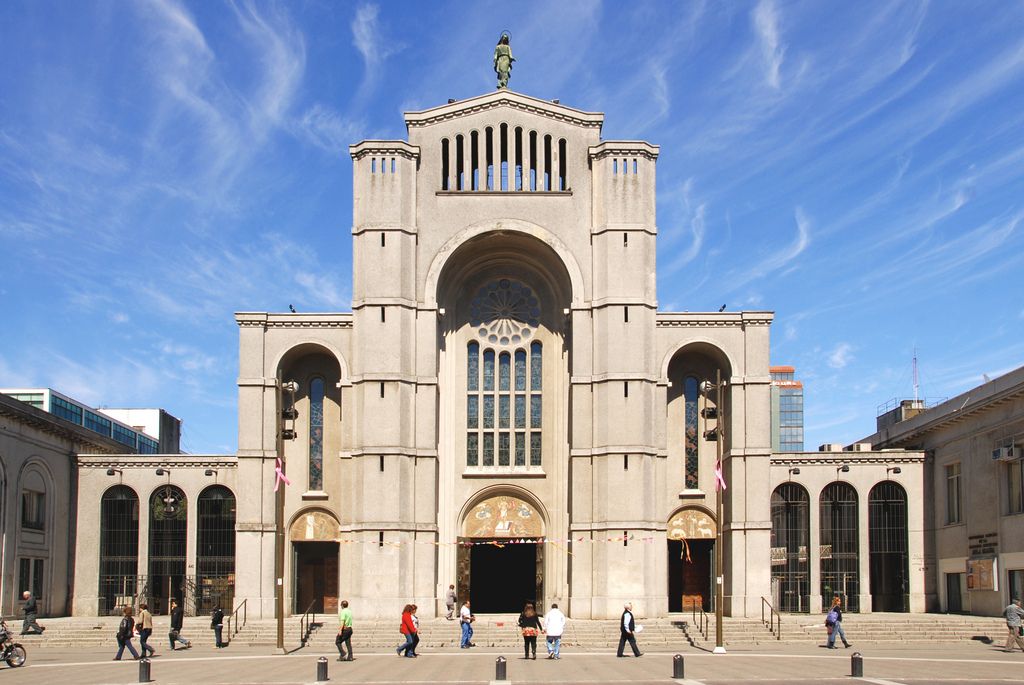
{"points": [[627, 630], [466, 619], [554, 626]]}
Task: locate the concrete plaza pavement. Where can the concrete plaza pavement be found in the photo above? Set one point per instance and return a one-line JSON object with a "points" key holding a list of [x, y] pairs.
{"points": [[883, 665]]}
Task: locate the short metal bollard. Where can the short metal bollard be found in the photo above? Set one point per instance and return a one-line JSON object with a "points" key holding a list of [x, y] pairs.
{"points": [[677, 666], [500, 668], [857, 665], [144, 666], [321, 670]]}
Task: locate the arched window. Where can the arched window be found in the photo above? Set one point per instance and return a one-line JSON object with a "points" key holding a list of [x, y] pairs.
{"points": [[119, 548], [839, 540], [503, 403], [215, 549], [887, 543], [445, 164], [168, 523], [790, 539], [691, 393], [316, 434]]}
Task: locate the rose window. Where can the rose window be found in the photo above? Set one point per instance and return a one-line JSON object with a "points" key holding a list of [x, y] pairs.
{"points": [[504, 312]]}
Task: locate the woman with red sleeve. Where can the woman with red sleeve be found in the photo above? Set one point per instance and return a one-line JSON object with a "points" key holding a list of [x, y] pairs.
{"points": [[408, 629]]}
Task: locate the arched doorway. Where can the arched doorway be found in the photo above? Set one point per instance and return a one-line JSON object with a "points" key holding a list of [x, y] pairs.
{"points": [[840, 545], [215, 550], [314, 535], [168, 525], [501, 555], [791, 531], [887, 542], [119, 549], [691, 560]]}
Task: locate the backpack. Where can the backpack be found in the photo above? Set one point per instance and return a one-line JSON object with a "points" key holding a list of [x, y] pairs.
{"points": [[830, 620]]}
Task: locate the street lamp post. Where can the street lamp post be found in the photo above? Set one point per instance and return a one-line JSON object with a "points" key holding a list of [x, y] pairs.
{"points": [[719, 431], [284, 413]]}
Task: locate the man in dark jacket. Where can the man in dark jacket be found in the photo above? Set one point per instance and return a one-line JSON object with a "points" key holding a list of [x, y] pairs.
{"points": [[177, 617], [217, 623], [627, 630], [29, 625]]}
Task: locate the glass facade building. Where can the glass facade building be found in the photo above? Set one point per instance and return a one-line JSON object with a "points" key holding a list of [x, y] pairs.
{"points": [[78, 413], [787, 410]]}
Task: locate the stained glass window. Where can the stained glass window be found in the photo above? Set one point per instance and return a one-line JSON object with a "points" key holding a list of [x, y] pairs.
{"points": [[692, 460], [520, 369], [316, 434], [473, 368], [505, 392], [503, 371]]}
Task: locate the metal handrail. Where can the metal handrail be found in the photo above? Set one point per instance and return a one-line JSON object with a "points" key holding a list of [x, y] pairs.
{"points": [[702, 620], [306, 623], [774, 622], [233, 618]]}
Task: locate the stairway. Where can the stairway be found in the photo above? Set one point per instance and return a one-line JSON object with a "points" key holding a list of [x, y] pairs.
{"points": [[659, 634]]}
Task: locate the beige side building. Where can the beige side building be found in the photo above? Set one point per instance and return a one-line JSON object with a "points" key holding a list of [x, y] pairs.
{"points": [[974, 491]]}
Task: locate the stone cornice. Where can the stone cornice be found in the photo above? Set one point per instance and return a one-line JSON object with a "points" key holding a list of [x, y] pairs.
{"points": [[288, 320], [616, 148], [152, 461], [712, 319], [504, 98], [384, 147], [833, 458]]}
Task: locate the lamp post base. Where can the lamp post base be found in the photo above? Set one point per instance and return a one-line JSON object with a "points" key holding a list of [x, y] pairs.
{"points": [[719, 650]]}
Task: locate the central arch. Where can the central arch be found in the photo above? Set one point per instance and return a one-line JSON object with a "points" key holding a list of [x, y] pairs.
{"points": [[501, 550], [691, 535]]}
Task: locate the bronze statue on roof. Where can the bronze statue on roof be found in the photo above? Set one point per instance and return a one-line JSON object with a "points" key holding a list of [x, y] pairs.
{"points": [[503, 59]]}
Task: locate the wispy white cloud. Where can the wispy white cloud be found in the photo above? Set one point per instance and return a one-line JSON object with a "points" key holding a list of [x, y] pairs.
{"points": [[841, 355], [765, 19], [325, 128], [777, 260]]}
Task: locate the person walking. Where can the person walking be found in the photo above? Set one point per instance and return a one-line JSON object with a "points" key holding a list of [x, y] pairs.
{"points": [[834, 624], [554, 626], [449, 601], [466, 619], [145, 625], [30, 626], [344, 639], [217, 623], [529, 622], [124, 635], [1013, 614], [627, 631], [408, 630], [416, 630], [177, 618]]}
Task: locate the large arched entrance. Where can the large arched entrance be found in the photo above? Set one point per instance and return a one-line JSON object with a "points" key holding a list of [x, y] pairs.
{"points": [[215, 550], [314, 535], [168, 526], [791, 533], [119, 549], [691, 536], [501, 555], [840, 545], [887, 542]]}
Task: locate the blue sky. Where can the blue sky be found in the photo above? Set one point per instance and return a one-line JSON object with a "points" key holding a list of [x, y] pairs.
{"points": [[856, 167]]}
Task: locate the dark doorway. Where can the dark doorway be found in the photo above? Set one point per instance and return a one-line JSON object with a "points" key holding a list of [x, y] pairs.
{"points": [[502, 579], [168, 523], [839, 545], [789, 545], [689, 582], [316, 576], [887, 542]]}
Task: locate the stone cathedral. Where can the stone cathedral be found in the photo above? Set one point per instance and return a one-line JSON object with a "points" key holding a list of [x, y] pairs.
{"points": [[504, 409], [504, 377]]}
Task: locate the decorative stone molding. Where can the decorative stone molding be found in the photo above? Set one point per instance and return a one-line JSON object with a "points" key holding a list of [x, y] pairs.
{"points": [[624, 148], [504, 98], [288, 320], [154, 461], [368, 148]]}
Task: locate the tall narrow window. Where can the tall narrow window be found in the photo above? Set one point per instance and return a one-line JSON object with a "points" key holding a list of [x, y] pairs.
{"points": [[790, 538], [519, 158], [316, 434], [563, 179], [533, 160], [460, 164], [119, 547], [953, 493], [1015, 488], [474, 160], [839, 545], [692, 464], [504, 157], [547, 163], [489, 156], [215, 548], [444, 164]]}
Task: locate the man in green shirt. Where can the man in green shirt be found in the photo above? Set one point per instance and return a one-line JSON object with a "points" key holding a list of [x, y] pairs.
{"points": [[344, 639]]}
